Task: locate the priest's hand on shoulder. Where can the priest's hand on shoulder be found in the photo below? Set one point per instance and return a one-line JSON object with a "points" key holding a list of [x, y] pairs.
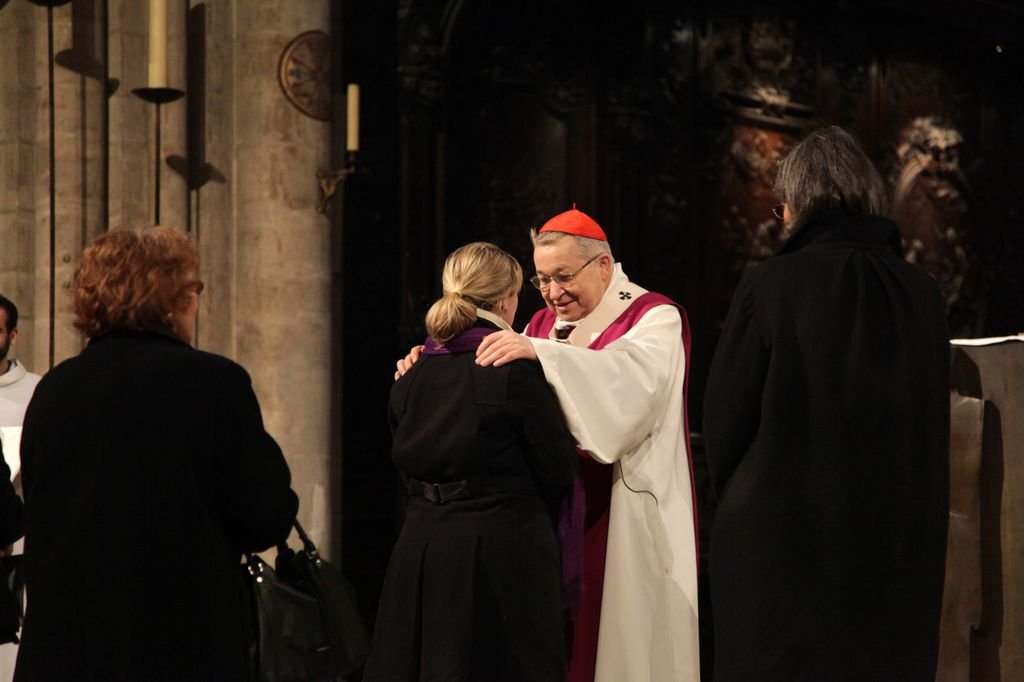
{"points": [[406, 363], [503, 347]]}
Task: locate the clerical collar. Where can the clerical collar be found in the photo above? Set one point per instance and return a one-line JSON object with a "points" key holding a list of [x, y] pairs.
{"points": [[563, 329], [492, 318]]}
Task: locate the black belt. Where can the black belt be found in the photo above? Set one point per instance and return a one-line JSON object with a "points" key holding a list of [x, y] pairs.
{"points": [[440, 493]]}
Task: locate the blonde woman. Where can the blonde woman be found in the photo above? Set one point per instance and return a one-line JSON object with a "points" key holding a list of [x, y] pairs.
{"points": [[473, 588]]}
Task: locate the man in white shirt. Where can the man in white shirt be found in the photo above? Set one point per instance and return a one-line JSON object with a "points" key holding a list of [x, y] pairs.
{"points": [[16, 383]]}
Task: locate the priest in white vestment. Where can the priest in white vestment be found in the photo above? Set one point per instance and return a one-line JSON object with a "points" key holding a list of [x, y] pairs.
{"points": [[616, 356]]}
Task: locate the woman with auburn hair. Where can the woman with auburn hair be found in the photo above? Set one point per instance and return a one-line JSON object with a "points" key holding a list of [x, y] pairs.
{"points": [[136, 280], [473, 587], [147, 473]]}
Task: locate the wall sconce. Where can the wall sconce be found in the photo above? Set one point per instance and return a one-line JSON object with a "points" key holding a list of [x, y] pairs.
{"points": [[330, 179]]}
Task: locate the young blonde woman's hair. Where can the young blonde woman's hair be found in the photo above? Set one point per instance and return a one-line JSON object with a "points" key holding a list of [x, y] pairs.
{"points": [[476, 275]]}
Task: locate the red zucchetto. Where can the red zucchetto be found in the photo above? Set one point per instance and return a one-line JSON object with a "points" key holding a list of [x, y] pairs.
{"points": [[575, 222]]}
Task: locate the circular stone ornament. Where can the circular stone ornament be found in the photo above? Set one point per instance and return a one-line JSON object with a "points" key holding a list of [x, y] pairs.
{"points": [[302, 73]]}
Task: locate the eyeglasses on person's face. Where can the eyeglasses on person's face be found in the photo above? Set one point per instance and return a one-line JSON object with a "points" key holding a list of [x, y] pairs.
{"points": [[562, 278], [779, 211]]}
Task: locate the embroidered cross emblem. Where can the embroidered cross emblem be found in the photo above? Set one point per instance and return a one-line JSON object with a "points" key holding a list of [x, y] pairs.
{"points": [[625, 295]]}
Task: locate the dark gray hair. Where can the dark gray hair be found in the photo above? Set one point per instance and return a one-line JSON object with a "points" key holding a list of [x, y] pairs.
{"points": [[828, 169]]}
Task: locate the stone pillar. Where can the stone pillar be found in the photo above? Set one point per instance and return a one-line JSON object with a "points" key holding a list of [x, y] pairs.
{"points": [[281, 258], [81, 146], [19, 83], [79, 171], [173, 155], [211, 101]]}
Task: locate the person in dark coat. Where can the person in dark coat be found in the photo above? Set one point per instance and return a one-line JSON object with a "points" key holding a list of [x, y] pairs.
{"points": [[473, 587], [11, 516], [147, 473], [826, 419], [11, 525]]}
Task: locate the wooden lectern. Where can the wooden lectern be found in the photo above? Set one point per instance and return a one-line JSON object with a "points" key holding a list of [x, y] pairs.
{"points": [[982, 636]]}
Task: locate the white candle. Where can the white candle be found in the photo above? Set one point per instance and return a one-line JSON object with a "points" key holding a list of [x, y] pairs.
{"points": [[157, 43], [352, 118]]}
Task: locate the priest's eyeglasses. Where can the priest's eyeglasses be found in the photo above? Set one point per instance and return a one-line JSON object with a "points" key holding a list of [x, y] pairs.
{"points": [[562, 278]]}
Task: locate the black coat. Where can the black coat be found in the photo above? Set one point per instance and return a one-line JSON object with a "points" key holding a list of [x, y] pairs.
{"points": [[826, 419], [472, 591], [11, 518], [147, 472]]}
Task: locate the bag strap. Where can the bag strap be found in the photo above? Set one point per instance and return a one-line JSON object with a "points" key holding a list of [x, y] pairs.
{"points": [[256, 566], [308, 547], [307, 543]]}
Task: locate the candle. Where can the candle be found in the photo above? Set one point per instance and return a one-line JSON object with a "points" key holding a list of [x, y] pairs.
{"points": [[352, 118], [158, 43]]}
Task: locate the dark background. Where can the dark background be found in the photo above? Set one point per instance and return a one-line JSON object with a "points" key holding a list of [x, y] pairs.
{"points": [[663, 121]]}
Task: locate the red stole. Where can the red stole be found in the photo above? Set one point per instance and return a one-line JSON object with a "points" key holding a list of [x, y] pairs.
{"points": [[595, 479]]}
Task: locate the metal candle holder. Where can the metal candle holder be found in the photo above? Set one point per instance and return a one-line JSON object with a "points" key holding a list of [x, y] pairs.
{"points": [[159, 97], [330, 179]]}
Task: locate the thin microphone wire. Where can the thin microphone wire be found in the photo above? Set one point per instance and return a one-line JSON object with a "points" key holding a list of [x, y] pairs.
{"points": [[622, 477]]}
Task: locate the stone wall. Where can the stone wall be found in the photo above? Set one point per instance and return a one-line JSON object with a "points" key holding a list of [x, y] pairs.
{"points": [[238, 170]]}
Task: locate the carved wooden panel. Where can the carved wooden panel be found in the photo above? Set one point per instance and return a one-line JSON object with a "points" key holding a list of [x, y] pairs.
{"points": [[929, 168], [994, 374]]}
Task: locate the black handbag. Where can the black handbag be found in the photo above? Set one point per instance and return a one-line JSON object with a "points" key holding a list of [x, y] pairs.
{"points": [[308, 625]]}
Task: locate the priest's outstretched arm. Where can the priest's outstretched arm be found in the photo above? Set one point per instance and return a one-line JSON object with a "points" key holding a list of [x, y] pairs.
{"points": [[611, 397]]}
